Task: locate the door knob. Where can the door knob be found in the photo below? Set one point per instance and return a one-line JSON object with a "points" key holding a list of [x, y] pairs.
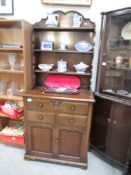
{"points": [[114, 122], [109, 120]]}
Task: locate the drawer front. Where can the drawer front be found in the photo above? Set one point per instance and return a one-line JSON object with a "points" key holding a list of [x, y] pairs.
{"points": [[40, 117], [74, 108], [61, 106], [71, 120], [36, 104]]}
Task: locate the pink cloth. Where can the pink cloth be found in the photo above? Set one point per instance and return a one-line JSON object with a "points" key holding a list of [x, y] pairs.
{"points": [[67, 81]]}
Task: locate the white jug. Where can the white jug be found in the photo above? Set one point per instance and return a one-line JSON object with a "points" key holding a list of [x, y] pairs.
{"points": [[52, 20], [76, 20]]}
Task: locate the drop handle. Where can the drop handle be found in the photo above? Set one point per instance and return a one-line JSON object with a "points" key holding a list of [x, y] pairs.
{"points": [[40, 105], [40, 117], [56, 140]]}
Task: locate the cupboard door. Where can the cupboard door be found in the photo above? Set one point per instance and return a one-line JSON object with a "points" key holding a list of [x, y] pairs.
{"points": [[101, 123], [71, 142], [119, 134], [39, 140]]}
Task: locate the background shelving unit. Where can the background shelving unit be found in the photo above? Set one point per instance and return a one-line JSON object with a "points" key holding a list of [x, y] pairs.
{"points": [[15, 38]]}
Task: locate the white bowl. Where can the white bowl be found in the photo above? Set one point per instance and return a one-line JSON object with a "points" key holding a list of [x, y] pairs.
{"points": [[83, 46], [81, 67], [45, 67]]}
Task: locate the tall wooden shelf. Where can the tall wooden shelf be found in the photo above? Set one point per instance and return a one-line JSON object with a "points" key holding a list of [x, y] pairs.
{"points": [[58, 125], [15, 37]]}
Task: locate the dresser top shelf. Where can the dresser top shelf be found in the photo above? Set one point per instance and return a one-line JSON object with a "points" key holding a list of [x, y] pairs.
{"points": [[84, 95]]}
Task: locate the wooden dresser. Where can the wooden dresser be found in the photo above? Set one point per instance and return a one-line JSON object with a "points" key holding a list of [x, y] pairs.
{"points": [[58, 127]]}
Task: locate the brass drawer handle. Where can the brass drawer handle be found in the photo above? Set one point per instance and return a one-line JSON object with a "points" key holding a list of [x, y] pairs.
{"points": [[40, 117], [56, 140], [72, 108], [71, 120], [40, 105]]}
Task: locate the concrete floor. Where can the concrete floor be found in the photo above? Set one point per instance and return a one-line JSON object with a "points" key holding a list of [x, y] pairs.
{"points": [[12, 163]]}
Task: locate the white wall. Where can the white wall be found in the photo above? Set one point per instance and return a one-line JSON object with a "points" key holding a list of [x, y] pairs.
{"points": [[34, 10]]}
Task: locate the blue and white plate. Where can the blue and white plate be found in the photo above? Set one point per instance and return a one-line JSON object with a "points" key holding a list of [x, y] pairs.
{"points": [[83, 46], [126, 31]]}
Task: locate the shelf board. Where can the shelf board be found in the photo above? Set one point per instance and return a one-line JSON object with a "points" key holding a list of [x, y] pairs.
{"points": [[14, 97], [68, 72], [6, 116], [121, 68], [12, 71], [13, 144], [11, 49], [63, 51], [119, 50], [65, 28]]}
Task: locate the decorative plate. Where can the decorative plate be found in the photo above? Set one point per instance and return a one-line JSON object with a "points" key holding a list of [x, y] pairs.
{"points": [[83, 46], [126, 31]]}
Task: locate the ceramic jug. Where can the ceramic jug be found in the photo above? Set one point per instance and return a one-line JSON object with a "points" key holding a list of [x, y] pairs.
{"points": [[76, 20], [61, 66], [52, 20]]}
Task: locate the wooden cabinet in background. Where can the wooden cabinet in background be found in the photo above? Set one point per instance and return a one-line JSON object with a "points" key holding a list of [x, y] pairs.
{"points": [[15, 61], [111, 128]]}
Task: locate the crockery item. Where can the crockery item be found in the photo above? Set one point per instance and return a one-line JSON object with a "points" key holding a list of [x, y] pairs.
{"points": [[126, 31], [52, 20], [81, 67], [76, 20], [12, 60], [63, 46], [61, 66], [83, 46], [118, 61], [45, 67]]}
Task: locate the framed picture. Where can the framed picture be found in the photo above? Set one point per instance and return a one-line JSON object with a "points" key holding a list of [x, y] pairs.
{"points": [[68, 2], [46, 45], [6, 7]]}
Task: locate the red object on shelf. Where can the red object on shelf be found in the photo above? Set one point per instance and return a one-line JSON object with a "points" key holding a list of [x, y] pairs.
{"points": [[67, 81], [2, 103], [14, 139], [12, 113]]}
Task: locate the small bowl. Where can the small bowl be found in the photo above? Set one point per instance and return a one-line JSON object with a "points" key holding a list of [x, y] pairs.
{"points": [[81, 67], [45, 67]]}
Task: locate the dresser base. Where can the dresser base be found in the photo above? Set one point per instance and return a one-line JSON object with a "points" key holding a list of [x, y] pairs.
{"points": [[58, 161]]}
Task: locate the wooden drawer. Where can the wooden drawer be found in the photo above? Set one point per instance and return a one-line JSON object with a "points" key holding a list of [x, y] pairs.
{"points": [[59, 106], [36, 104], [74, 108], [40, 117], [71, 120]]}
